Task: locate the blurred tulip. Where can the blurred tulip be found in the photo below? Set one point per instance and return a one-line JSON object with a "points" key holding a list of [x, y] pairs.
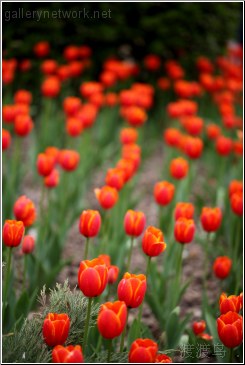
{"points": [[131, 289], [23, 125], [164, 192], [52, 180], [51, 87], [179, 168], [172, 136], [24, 210], [128, 135], [134, 223], [115, 178], [49, 67], [73, 127], [152, 62], [8, 113], [230, 329], [41, 49], [92, 277], [113, 272], [28, 244], [106, 196], [89, 223], [223, 145], [13, 232], [71, 105], [213, 131], [193, 147], [199, 327], [231, 303], [184, 230], [6, 139], [153, 242], [222, 267], [112, 319], [211, 219], [163, 358], [69, 160], [236, 201], [143, 351], [185, 210], [235, 186], [23, 97], [56, 328], [45, 164], [69, 354]]}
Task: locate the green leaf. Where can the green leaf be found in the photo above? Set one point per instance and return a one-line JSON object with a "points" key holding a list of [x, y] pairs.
{"points": [[22, 305], [133, 332]]}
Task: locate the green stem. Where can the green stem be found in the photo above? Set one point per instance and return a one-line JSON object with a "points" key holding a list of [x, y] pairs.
{"points": [[109, 350], [86, 249], [130, 253], [99, 344], [148, 266], [123, 336], [6, 284], [206, 250], [89, 306], [231, 355], [24, 273]]}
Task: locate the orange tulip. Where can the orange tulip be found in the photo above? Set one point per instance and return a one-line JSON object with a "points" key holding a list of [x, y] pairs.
{"points": [[236, 186], [164, 192], [24, 210], [236, 201], [193, 147], [179, 168], [92, 277], [113, 272], [230, 331], [52, 180], [134, 223], [56, 328], [199, 327], [71, 105], [153, 242], [115, 178], [211, 219], [128, 135], [49, 67], [23, 125], [143, 351], [89, 223], [51, 87], [185, 210], [107, 196], [223, 145], [6, 139], [163, 358], [172, 136], [23, 97], [13, 232], [184, 230], [213, 131], [112, 319], [131, 289], [69, 354], [231, 303], [74, 127], [69, 159], [45, 164]]}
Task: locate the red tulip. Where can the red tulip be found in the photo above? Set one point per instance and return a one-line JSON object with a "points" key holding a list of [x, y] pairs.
{"points": [[112, 319], [222, 267], [51, 87], [23, 97], [41, 49], [231, 303], [23, 125], [230, 331], [6, 139], [236, 201], [179, 168], [134, 223], [107, 196], [90, 222], [45, 164], [71, 105], [172, 137], [185, 210], [184, 230], [193, 147], [69, 354], [143, 351], [92, 277], [164, 192], [128, 135], [223, 145], [113, 272], [56, 328], [24, 210], [131, 289], [211, 219], [52, 180], [13, 232], [199, 327], [115, 178], [213, 131], [69, 159], [163, 358], [235, 186], [28, 244], [153, 242]]}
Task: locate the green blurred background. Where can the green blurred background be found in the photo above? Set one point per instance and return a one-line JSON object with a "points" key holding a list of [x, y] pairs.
{"points": [[168, 29]]}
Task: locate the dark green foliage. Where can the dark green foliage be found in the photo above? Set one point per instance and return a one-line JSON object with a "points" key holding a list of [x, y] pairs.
{"points": [[26, 344]]}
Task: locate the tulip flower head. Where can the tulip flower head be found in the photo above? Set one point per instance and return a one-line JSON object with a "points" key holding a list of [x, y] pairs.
{"points": [[231, 303], [153, 242], [107, 196], [185, 210], [45, 164], [112, 319], [13, 232], [131, 289], [28, 244], [92, 277], [164, 192], [199, 327], [184, 230], [134, 223], [222, 267], [56, 328], [24, 210], [89, 223], [70, 354], [69, 160], [163, 358], [179, 168], [143, 351], [6, 139], [211, 219], [230, 329]]}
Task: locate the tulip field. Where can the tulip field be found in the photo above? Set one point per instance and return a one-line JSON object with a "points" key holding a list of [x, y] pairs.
{"points": [[122, 207]]}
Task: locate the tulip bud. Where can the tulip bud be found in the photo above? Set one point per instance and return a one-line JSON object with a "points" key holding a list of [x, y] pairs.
{"points": [[112, 319], [236, 201], [164, 192], [24, 210], [92, 277], [56, 328], [52, 180], [90, 222], [13, 232], [69, 354], [222, 267], [6, 139], [28, 244], [199, 327], [163, 358], [134, 223], [143, 351], [211, 219], [131, 289]]}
